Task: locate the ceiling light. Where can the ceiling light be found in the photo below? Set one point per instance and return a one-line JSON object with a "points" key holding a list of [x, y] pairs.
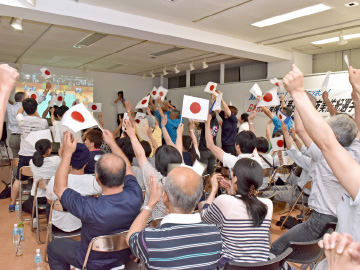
{"points": [[165, 72], [176, 69], [292, 15], [342, 41], [16, 23], [152, 74], [77, 46], [336, 39], [192, 66], [32, 2], [204, 64], [144, 76]]}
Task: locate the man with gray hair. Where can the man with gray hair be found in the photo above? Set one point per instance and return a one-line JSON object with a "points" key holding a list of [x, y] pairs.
{"points": [[183, 241], [326, 191]]}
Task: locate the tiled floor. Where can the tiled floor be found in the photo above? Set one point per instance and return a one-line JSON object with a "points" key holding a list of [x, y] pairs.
{"points": [[8, 259]]}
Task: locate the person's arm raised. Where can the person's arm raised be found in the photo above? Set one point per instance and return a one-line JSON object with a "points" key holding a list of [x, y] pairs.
{"points": [[217, 151], [287, 138], [115, 149], [138, 149], [62, 173], [129, 109], [268, 133], [251, 123], [344, 167], [192, 135], [165, 133], [45, 112], [226, 107], [152, 139], [294, 137], [267, 112], [301, 131], [117, 130], [331, 108], [52, 116], [158, 107]]}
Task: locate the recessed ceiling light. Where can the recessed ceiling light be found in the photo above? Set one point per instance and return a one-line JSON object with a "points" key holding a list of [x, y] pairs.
{"points": [[77, 46], [16, 23], [336, 39], [352, 4], [292, 15]]}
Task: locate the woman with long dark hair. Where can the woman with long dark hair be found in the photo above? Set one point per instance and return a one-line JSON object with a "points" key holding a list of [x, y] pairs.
{"points": [[43, 166], [242, 218]]}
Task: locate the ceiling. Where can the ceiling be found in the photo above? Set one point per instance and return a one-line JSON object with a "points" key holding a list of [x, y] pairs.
{"points": [[43, 43], [234, 18]]}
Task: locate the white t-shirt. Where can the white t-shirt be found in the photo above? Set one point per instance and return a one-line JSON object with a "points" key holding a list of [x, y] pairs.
{"points": [[28, 124], [230, 160], [264, 165], [46, 171], [120, 107], [244, 126], [84, 184], [60, 129]]}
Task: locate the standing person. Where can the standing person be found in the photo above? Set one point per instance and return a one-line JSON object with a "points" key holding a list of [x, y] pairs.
{"points": [[93, 141], [30, 122], [120, 103], [12, 109], [244, 122], [206, 156]]}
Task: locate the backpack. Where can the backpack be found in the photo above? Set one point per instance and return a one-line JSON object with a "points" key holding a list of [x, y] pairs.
{"points": [[6, 193]]}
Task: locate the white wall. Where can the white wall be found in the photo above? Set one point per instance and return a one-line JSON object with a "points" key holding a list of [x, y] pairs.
{"points": [[106, 86], [335, 61]]}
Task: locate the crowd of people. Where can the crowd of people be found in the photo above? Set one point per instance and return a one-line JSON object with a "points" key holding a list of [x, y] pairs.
{"points": [[111, 182]]}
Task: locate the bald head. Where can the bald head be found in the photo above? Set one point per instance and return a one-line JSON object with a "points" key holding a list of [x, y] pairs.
{"points": [[184, 188], [110, 170]]}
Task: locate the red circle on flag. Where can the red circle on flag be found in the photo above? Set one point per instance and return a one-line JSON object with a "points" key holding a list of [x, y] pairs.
{"points": [[33, 96], [144, 101], [212, 87], [137, 121], [268, 97], [280, 143], [195, 107], [47, 72], [154, 93], [60, 98], [77, 117], [277, 84], [280, 116], [161, 94], [94, 107]]}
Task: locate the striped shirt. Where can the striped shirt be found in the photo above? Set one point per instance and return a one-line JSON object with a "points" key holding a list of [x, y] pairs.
{"points": [[242, 242], [182, 242]]}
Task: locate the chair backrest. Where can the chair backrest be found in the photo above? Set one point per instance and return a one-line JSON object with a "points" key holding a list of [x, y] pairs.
{"points": [[15, 162], [268, 172], [284, 169], [305, 252], [26, 171], [273, 264], [107, 243]]}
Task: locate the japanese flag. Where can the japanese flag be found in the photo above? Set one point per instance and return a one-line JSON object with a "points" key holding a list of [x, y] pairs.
{"points": [[278, 83], [277, 143], [255, 90], [211, 88], [78, 118], [143, 103], [94, 107], [195, 108], [270, 98], [59, 98], [125, 118], [217, 104], [76, 102], [33, 95], [160, 92], [139, 116], [283, 117], [153, 93], [46, 73]]}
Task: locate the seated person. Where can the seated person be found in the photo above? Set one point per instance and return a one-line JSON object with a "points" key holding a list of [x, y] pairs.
{"points": [[43, 167], [183, 241], [244, 122], [93, 141], [112, 212], [232, 214], [85, 184], [262, 146]]}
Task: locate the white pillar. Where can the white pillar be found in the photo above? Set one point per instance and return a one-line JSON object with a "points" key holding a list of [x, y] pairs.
{"points": [[222, 73], [162, 80], [188, 78]]}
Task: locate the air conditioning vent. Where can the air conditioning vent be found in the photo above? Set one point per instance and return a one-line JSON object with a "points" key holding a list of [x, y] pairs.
{"points": [[172, 50], [90, 39], [114, 66]]}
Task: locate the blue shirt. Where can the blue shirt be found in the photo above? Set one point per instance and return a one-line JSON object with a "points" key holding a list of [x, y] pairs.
{"points": [[277, 124], [105, 215], [171, 125]]}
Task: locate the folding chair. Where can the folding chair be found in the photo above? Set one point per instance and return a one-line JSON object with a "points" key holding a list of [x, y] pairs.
{"points": [[106, 243], [14, 164], [41, 184], [273, 264], [305, 253], [25, 189], [301, 196], [51, 234]]}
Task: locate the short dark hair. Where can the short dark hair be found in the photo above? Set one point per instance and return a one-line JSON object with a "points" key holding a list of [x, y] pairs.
{"points": [[95, 136], [126, 146], [287, 111], [109, 173], [41, 147], [233, 109], [247, 141], [262, 144], [176, 112], [62, 110], [19, 96], [29, 105], [164, 156], [121, 93], [147, 148], [245, 117], [250, 174]]}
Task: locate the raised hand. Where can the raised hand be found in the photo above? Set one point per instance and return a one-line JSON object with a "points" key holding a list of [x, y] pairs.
{"points": [[294, 81], [191, 125], [8, 77], [164, 120], [154, 191], [180, 129], [129, 128], [48, 86], [284, 127], [252, 116], [69, 143], [325, 95], [354, 78], [128, 106]]}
